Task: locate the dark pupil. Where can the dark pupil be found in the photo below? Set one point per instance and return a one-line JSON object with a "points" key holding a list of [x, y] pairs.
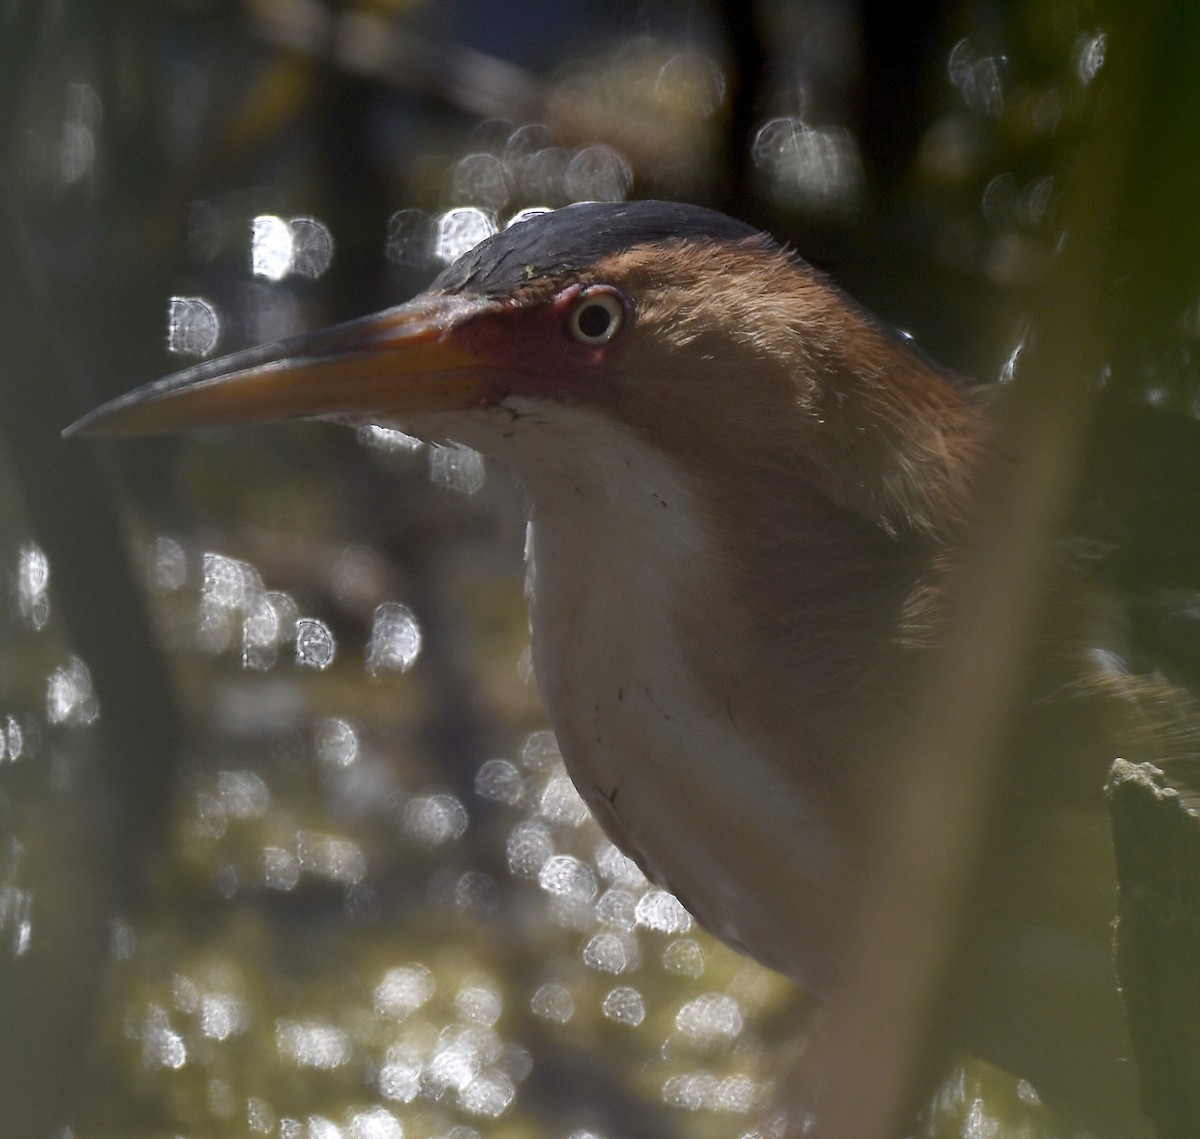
{"points": [[594, 321]]}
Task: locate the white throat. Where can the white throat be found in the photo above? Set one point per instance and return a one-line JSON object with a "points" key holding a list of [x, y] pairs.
{"points": [[615, 538]]}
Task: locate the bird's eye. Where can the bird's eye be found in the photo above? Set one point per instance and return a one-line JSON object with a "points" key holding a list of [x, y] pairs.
{"points": [[596, 319]]}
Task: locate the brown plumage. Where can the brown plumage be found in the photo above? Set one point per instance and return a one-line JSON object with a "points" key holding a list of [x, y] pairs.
{"points": [[747, 499]]}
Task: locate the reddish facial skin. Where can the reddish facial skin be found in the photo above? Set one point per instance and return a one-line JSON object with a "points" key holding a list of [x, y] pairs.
{"points": [[532, 352]]}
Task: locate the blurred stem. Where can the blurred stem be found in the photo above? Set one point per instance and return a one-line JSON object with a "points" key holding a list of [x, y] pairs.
{"points": [[86, 844], [70, 504], [741, 24], [942, 828]]}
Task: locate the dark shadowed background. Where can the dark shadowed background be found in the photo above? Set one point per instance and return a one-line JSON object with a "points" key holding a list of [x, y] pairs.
{"points": [[285, 846]]}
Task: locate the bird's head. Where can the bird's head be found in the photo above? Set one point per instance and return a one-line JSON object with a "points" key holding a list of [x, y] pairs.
{"points": [[694, 332]]}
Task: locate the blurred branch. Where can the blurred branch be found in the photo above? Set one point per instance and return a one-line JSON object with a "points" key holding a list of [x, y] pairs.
{"points": [[1156, 820], [376, 47], [86, 843], [71, 509], [746, 67], [944, 831]]}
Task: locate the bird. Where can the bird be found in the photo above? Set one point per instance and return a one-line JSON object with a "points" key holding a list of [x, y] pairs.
{"points": [[747, 497]]}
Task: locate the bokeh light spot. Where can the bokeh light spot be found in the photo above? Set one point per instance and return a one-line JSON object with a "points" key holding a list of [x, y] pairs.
{"points": [[411, 239], [336, 742], [312, 1044], [403, 990], [567, 876], [530, 846], [312, 246], [625, 1006], [598, 174], [815, 168], [315, 646], [395, 641], [193, 326], [612, 952], [500, 781], [540, 751], [481, 180], [660, 911], [553, 1002], [434, 820], [491, 1093], [271, 247], [710, 1017], [478, 1004], [684, 957], [69, 695], [460, 230], [331, 857], [32, 585], [561, 803], [375, 1123], [162, 1046], [1088, 56]]}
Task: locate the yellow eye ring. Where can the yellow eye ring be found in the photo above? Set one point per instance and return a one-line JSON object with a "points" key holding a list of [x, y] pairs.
{"points": [[596, 318]]}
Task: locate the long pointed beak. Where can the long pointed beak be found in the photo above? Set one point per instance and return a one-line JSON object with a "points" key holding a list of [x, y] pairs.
{"points": [[399, 360]]}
